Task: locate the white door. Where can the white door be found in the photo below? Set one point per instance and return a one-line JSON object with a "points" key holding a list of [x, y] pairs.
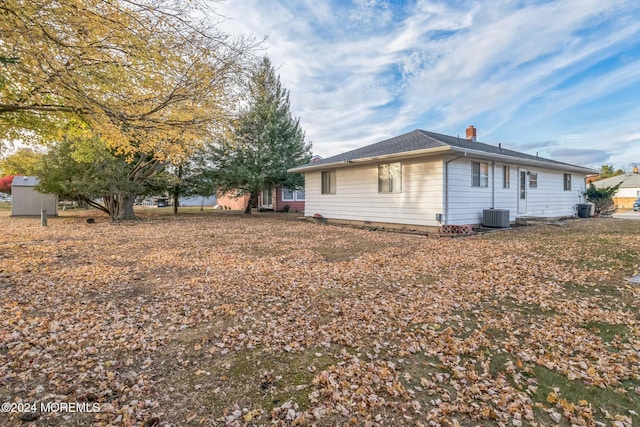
{"points": [[267, 199], [522, 191]]}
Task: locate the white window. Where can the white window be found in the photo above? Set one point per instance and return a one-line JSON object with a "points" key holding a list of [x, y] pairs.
{"points": [[289, 195], [329, 182], [567, 181], [390, 178], [506, 177], [480, 174], [533, 179]]}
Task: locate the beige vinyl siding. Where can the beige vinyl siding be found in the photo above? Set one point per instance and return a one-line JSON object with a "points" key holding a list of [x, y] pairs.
{"points": [[357, 197]]}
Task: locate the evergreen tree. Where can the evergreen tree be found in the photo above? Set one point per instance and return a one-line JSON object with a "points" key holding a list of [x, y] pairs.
{"points": [[602, 198], [607, 171], [265, 142]]}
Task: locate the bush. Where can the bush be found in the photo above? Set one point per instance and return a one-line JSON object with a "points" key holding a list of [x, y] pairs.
{"points": [[602, 198]]}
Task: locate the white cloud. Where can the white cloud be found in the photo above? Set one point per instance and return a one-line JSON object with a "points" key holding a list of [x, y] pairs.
{"points": [[438, 65]]}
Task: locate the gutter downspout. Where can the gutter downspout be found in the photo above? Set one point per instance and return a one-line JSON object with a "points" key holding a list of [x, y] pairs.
{"points": [[493, 185], [446, 186]]}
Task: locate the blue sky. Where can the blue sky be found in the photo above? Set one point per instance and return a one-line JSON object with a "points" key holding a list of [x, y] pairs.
{"points": [[561, 78]]}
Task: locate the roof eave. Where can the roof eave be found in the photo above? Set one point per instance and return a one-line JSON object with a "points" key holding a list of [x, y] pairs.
{"points": [[442, 150], [373, 159], [525, 162]]}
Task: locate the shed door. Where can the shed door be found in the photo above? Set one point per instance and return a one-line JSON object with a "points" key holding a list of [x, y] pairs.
{"points": [[522, 192]]}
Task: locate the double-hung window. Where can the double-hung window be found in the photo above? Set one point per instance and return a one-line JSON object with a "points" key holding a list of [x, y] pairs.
{"points": [[390, 178], [480, 174], [506, 176], [328, 182], [289, 195], [567, 181]]}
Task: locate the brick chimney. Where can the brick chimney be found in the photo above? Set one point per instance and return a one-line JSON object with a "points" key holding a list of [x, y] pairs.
{"points": [[471, 133]]}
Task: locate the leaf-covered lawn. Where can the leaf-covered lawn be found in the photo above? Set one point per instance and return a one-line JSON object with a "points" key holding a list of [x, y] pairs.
{"points": [[225, 320]]}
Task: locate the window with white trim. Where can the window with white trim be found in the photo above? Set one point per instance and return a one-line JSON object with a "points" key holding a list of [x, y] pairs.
{"points": [[506, 176], [533, 179], [390, 178], [289, 195], [480, 174], [567, 181], [328, 185]]}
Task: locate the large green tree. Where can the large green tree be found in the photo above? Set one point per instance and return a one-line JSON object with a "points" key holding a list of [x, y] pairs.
{"points": [[25, 161], [265, 142], [151, 79], [85, 169]]}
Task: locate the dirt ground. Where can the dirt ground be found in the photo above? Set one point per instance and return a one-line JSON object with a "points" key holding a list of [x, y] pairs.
{"points": [[218, 319]]}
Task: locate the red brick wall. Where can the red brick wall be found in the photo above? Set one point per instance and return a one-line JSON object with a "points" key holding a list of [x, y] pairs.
{"points": [[294, 206]]}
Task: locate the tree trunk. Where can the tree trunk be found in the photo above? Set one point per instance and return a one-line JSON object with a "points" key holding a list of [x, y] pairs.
{"points": [[120, 206], [252, 197], [176, 192]]}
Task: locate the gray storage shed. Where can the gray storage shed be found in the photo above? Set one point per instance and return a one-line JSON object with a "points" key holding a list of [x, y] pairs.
{"points": [[26, 201]]}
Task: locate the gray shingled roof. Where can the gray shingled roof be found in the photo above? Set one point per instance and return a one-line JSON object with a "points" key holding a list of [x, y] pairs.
{"points": [[421, 140], [628, 180]]}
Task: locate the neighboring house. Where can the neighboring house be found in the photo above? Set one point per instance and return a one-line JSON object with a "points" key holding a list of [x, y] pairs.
{"points": [[629, 189], [233, 201], [290, 200], [282, 199], [426, 179], [275, 199], [28, 202]]}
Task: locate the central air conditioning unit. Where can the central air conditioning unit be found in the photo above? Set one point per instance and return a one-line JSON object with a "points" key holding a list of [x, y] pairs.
{"points": [[498, 218]]}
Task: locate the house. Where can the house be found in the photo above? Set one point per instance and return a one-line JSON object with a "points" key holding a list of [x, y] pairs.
{"points": [[282, 199], [29, 202], [629, 190], [232, 201], [276, 199], [424, 180]]}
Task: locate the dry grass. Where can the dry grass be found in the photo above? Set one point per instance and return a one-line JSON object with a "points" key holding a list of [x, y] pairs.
{"points": [[211, 318]]}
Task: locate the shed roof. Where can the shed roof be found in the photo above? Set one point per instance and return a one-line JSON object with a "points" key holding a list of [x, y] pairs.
{"points": [[423, 142], [25, 181]]}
